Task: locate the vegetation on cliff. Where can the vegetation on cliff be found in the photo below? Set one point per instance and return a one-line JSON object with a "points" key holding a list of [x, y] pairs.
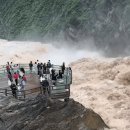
{"points": [[106, 21]]}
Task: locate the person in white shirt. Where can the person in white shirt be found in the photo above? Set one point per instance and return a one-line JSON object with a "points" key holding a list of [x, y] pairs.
{"points": [[35, 67], [38, 62]]}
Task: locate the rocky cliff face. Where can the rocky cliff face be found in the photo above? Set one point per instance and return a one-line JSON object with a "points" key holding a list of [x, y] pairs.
{"points": [[33, 115], [105, 21]]}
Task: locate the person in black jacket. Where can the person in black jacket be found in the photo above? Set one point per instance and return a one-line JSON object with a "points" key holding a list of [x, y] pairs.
{"points": [[10, 76], [60, 75], [31, 66], [53, 75], [44, 68], [63, 67], [38, 68], [49, 64], [45, 86], [14, 89]]}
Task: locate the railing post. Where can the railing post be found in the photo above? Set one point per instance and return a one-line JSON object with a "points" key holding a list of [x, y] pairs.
{"points": [[16, 94], [5, 92], [24, 94], [71, 77], [49, 90], [40, 89]]}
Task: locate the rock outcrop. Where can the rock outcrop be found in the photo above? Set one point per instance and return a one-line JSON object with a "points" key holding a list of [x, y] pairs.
{"points": [[34, 115]]}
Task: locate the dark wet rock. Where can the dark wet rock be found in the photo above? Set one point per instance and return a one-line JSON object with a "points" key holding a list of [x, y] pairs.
{"points": [[33, 114]]}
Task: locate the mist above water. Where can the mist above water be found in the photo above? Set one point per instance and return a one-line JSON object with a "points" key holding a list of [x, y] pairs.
{"points": [[23, 52]]}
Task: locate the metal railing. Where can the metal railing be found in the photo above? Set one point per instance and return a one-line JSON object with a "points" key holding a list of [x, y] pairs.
{"points": [[61, 88], [3, 71], [20, 94]]}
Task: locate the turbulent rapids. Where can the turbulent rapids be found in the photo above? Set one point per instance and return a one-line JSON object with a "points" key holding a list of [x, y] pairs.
{"points": [[104, 86], [36, 111], [91, 91], [101, 84]]}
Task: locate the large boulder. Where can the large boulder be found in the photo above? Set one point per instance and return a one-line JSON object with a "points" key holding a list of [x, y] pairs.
{"points": [[34, 115]]}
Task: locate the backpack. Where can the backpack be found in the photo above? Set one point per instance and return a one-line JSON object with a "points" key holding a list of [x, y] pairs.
{"points": [[13, 87]]}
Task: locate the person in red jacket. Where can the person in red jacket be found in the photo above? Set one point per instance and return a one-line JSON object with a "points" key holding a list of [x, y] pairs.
{"points": [[16, 77], [8, 67]]}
